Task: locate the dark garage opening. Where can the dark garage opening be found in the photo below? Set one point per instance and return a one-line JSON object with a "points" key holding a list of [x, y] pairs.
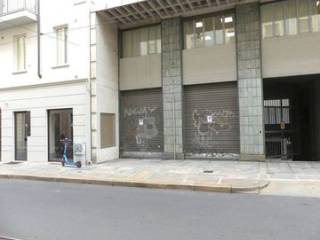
{"points": [[292, 117]]}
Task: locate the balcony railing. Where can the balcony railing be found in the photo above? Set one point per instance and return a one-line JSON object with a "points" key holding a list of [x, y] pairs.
{"points": [[12, 6]]}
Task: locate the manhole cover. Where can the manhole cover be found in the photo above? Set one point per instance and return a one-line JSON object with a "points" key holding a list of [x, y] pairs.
{"points": [[208, 171]]}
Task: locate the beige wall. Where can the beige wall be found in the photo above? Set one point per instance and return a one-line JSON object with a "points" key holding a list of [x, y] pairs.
{"points": [[106, 88], [211, 64], [292, 55], [140, 72]]}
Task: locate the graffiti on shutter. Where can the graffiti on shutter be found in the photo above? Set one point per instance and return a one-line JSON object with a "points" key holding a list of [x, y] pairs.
{"points": [[143, 122], [209, 123]]}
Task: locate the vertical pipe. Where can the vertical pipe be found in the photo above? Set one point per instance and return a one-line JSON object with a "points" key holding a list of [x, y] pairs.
{"points": [[38, 37]]}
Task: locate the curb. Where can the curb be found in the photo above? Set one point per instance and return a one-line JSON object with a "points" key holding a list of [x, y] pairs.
{"points": [[222, 188]]}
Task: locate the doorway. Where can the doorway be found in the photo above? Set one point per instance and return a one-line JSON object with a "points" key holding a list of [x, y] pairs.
{"points": [[291, 118], [22, 132], [60, 127]]}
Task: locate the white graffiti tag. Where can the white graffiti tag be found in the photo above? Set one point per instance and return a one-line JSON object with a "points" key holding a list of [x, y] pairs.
{"points": [[209, 124]]}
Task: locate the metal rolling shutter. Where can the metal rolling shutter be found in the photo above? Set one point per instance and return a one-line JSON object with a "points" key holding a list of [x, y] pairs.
{"points": [[211, 118], [141, 123]]}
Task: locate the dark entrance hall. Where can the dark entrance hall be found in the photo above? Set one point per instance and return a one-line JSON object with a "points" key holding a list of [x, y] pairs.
{"points": [[292, 118]]}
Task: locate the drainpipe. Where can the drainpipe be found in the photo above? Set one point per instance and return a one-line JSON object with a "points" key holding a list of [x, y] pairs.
{"points": [[89, 93], [39, 38]]}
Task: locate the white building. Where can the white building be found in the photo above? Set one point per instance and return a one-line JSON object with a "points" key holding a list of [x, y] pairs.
{"points": [[160, 78], [43, 100]]}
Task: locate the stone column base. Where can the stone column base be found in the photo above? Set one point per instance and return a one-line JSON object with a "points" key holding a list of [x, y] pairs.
{"points": [[170, 156], [252, 157]]}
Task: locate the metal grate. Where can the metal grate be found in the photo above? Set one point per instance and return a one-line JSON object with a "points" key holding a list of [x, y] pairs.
{"points": [[161, 9]]}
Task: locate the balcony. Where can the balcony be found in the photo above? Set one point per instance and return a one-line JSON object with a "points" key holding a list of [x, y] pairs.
{"points": [[17, 12]]}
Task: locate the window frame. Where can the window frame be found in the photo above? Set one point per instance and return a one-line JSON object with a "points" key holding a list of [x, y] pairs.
{"points": [[16, 48], [285, 11], [213, 17], [136, 36], [65, 31]]}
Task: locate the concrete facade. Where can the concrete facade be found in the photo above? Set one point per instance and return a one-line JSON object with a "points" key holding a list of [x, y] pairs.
{"points": [[250, 81], [172, 86], [95, 73]]}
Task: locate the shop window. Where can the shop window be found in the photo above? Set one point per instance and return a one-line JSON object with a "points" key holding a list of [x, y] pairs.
{"points": [[108, 131]]}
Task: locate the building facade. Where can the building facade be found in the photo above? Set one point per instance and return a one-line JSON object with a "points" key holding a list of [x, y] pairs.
{"points": [[169, 79]]}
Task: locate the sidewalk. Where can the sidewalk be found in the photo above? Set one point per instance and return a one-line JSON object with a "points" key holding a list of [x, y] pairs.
{"points": [[197, 175]]}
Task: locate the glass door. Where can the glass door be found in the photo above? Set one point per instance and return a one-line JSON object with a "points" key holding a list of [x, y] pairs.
{"points": [[60, 124], [22, 131]]}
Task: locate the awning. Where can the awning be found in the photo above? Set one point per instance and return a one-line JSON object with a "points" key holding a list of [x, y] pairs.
{"points": [[154, 10]]}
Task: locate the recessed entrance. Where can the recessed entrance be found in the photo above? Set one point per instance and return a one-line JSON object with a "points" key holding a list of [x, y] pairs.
{"points": [[292, 117], [60, 127]]}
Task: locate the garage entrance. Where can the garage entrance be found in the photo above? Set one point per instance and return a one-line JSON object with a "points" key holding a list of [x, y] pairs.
{"points": [[141, 124], [292, 117], [211, 121]]}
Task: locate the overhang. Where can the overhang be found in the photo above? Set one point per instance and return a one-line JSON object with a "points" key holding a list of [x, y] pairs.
{"points": [[149, 11]]}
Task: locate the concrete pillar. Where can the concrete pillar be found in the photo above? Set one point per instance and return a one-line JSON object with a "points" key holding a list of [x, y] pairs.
{"points": [[172, 87], [250, 82]]}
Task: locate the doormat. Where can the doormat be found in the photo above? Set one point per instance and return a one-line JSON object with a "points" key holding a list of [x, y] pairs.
{"points": [[12, 163]]}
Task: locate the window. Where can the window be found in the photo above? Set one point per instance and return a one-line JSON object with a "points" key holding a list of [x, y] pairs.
{"points": [[62, 45], [290, 18], [278, 19], [141, 42], [303, 16], [267, 20], [315, 12], [20, 53], [277, 111], [209, 31]]}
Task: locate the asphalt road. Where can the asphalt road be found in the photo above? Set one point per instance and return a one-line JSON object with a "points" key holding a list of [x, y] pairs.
{"points": [[58, 211]]}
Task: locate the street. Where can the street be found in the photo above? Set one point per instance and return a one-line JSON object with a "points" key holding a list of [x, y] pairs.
{"points": [[46, 210]]}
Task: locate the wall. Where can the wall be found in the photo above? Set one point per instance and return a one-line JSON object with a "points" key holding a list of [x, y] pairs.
{"points": [[210, 64], [76, 16], [38, 100], [140, 72], [8, 78], [291, 55], [107, 99]]}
